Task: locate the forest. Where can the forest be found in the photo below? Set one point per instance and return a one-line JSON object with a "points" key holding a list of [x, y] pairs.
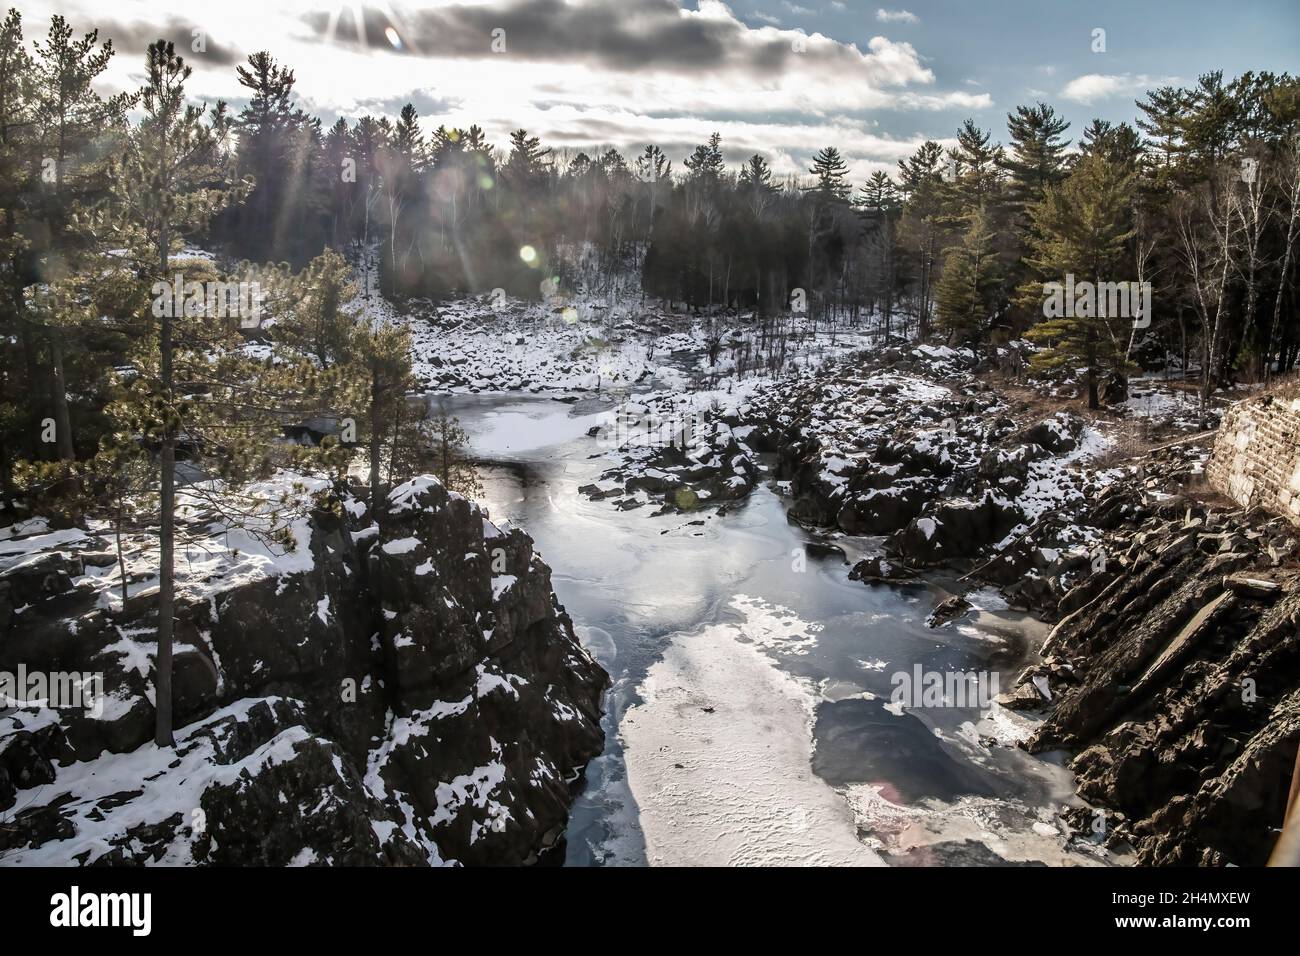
{"points": [[108, 199]]}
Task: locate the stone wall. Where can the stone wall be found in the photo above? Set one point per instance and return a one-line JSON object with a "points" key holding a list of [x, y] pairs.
{"points": [[1256, 457]]}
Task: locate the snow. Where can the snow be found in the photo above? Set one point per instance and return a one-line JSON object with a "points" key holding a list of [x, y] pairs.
{"points": [[169, 783], [401, 546]]}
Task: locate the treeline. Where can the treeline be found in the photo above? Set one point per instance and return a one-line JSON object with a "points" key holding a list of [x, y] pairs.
{"points": [[1197, 206]]}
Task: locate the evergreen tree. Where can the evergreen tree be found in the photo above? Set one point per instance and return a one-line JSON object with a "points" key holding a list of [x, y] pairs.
{"points": [[832, 175], [528, 164], [1036, 157], [271, 146], [756, 185], [450, 445], [1162, 111], [975, 164], [922, 226], [72, 123], [1117, 143], [1082, 228], [969, 293], [164, 184], [705, 165], [382, 354], [19, 381]]}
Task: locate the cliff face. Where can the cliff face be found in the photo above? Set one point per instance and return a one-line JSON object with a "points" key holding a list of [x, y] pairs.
{"points": [[1175, 677], [414, 695]]}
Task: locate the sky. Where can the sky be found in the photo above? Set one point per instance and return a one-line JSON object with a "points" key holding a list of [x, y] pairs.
{"points": [[778, 77]]}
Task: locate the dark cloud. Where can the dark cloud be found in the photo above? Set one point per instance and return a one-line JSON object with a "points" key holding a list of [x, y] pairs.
{"points": [[623, 35], [133, 38]]}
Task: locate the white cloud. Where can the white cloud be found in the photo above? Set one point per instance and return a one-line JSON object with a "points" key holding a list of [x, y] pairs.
{"points": [[1090, 87], [758, 94], [896, 16]]}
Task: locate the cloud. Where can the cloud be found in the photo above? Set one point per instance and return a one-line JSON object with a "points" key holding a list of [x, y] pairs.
{"points": [[660, 35], [580, 74], [133, 37], [1090, 87], [896, 16]]}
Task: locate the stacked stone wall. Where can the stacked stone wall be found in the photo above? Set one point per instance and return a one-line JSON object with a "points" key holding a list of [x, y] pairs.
{"points": [[1256, 457]]}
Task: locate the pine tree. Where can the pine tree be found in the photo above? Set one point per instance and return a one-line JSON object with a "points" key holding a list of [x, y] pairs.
{"points": [[271, 145], [832, 175], [922, 225], [1036, 157], [408, 140], [1117, 143], [654, 170], [19, 400], [705, 164], [1163, 109], [72, 123], [450, 445], [756, 185], [969, 289], [975, 172], [1082, 228], [528, 164], [880, 204], [165, 184], [321, 318], [382, 359]]}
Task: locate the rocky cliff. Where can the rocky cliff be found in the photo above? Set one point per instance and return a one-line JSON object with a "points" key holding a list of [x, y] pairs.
{"points": [[1173, 676], [1175, 672], [409, 694]]}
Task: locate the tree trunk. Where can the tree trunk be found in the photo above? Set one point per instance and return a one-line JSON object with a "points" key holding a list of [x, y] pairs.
{"points": [[59, 396], [121, 561], [6, 479], [1094, 399], [376, 430], [167, 530], [167, 540]]}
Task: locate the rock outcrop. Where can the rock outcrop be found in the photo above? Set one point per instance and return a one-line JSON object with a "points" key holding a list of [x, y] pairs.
{"points": [[1174, 677], [409, 694], [909, 444]]}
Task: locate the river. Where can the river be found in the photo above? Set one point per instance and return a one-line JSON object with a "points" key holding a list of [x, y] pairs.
{"points": [[750, 719]]}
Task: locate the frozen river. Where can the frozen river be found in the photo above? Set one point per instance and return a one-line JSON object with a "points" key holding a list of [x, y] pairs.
{"points": [[750, 719]]}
